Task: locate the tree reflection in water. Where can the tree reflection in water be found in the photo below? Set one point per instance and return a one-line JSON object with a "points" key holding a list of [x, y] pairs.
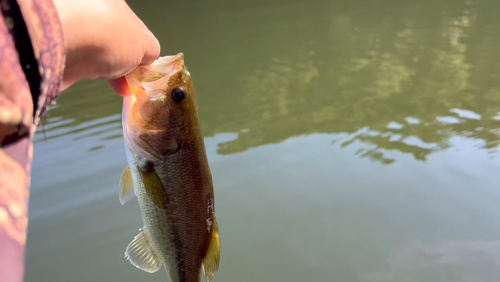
{"points": [[397, 83]]}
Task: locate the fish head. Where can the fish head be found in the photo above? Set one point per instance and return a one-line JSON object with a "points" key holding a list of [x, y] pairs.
{"points": [[162, 112]]}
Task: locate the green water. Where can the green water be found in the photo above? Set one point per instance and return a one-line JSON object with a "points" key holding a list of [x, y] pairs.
{"points": [[348, 140]]}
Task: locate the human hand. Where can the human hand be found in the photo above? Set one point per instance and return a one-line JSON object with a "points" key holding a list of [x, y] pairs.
{"points": [[104, 40]]}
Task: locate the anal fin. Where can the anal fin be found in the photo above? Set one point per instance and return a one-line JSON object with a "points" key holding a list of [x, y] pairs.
{"points": [[211, 261], [141, 254]]}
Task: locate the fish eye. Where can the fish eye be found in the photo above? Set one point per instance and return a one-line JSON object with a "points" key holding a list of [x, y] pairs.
{"points": [[178, 95]]}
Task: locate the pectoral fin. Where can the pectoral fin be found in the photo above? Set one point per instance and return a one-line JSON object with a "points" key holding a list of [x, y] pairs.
{"points": [[211, 261], [126, 186], [154, 188], [141, 254]]}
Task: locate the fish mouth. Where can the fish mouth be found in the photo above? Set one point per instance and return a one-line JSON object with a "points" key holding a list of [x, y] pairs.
{"points": [[163, 67], [153, 79], [162, 63]]}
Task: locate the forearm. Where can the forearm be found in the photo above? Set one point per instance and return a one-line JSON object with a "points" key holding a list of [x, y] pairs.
{"points": [[95, 50], [33, 35], [13, 218]]}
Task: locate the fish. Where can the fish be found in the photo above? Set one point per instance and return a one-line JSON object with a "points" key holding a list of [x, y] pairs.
{"points": [[168, 172]]}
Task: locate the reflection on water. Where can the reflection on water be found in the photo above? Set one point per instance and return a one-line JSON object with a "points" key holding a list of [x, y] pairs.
{"points": [[87, 109], [367, 75], [394, 72], [349, 141], [456, 257]]}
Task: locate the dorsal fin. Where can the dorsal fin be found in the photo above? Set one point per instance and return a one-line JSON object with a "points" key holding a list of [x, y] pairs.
{"points": [[211, 261]]}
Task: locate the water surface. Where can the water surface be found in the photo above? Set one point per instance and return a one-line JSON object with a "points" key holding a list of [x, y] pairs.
{"points": [[348, 141]]}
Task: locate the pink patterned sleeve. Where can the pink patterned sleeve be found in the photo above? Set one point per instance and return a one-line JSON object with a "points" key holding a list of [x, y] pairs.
{"points": [[31, 64]]}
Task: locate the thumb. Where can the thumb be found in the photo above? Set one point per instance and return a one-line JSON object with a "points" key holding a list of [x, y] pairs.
{"points": [[120, 86]]}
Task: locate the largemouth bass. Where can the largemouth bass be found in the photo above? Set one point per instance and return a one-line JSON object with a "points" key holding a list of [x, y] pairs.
{"points": [[169, 173]]}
